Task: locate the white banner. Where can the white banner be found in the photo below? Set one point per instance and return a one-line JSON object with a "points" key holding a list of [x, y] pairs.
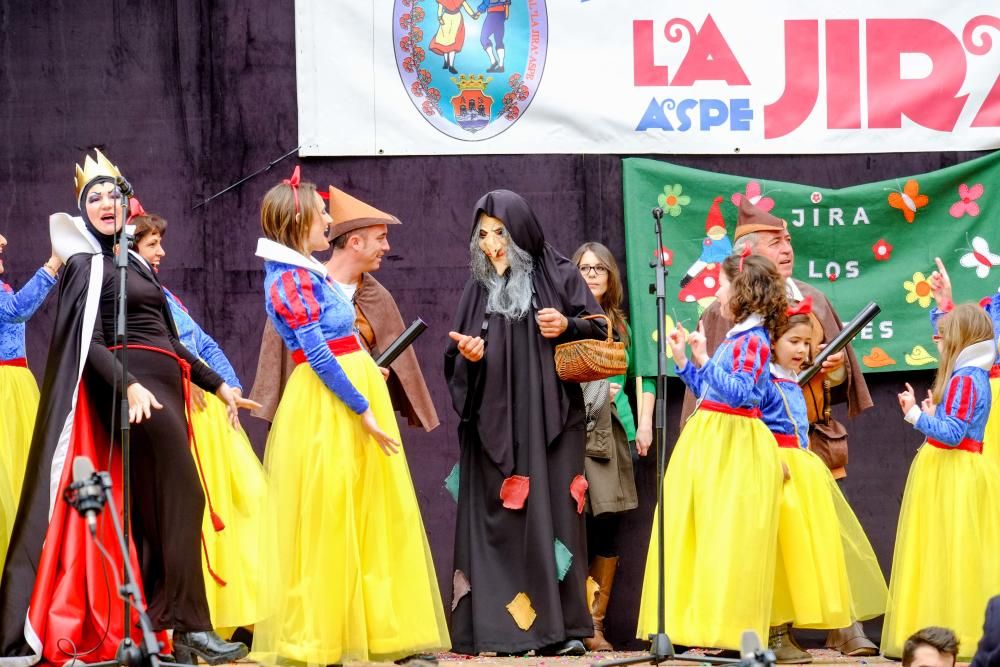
{"points": [[404, 77]]}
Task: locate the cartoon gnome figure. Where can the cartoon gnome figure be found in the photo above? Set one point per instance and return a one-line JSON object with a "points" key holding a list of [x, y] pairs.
{"points": [[702, 279]]}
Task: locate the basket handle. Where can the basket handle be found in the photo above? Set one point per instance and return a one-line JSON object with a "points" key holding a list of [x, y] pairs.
{"points": [[606, 321]]}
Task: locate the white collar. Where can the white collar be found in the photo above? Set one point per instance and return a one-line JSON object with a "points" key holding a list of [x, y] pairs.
{"points": [[980, 355], [276, 252], [140, 258], [69, 236], [754, 320], [782, 373], [792, 290]]}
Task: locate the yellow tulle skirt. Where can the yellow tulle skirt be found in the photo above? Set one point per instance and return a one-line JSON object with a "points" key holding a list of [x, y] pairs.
{"points": [[945, 565], [20, 403], [721, 493], [991, 439], [236, 483], [827, 575], [348, 574]]}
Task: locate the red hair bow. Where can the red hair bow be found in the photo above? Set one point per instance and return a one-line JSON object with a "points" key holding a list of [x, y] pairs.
{"points": [[294, 183], [135, 208], [743, 255], [804, 307]]}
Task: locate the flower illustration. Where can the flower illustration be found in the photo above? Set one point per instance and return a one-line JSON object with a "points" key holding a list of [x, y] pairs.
{"points": [[919, 290], [816, 197], [753, 193], [666, 254], [967, 201], [672, 200], [882, 250]]}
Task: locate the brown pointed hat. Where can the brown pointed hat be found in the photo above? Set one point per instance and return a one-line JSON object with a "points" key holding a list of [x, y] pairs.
{"points": [[752, 219], [349, 214]]}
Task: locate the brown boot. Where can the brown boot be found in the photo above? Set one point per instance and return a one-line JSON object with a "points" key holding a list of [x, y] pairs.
{"points": [[785, 652], [851, 641], [603, 572]]}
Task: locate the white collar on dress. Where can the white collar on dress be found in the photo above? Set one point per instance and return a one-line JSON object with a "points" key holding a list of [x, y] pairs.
{"points": [[70, 236], [981, 355], [783, 373], [792, 290], [276, 252], [754, 320]]}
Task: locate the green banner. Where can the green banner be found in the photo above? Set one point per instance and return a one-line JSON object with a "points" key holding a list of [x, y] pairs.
{"points": [[872, 242]]}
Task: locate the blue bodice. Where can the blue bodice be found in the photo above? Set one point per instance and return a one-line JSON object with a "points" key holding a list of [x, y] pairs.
{"points": [[16, 308], [963, 411], [308, 309], [194, 338], [784, 409], [738, 373]]}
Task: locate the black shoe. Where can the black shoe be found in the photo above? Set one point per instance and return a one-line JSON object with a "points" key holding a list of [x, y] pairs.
{"points": [[491, 68], [418, 660], [453, 70], [499, 68], [566, 648], [210, 647]]}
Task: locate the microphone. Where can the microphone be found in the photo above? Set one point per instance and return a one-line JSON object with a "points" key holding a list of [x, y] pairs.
{"points": [[124, 186], [657, 213], [86, 491]]}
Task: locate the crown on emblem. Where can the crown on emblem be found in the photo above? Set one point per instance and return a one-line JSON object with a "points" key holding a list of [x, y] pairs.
{"points": [[93, 169], [471, 81]]}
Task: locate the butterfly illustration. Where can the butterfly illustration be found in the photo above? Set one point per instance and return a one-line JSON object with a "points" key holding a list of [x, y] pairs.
{"points": [[980, 258], [754, 194], [908, 200]]}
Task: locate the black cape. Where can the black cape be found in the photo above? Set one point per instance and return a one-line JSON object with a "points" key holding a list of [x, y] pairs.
{"points": [[519, 420]]}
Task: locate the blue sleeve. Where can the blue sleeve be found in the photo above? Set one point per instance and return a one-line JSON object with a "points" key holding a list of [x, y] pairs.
{"points": [[991, 305], [482, 6], [295, 298], [21, 305], [212, 354], [936, 315], [692, 378], [953, 417], [735, 380]]}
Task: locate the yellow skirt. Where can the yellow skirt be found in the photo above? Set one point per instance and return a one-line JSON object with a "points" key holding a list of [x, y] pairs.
{"points": [[827, 575], [20, 403], [347, 573], [236, 483], [945, 565], [991, 439], [721, 493]]}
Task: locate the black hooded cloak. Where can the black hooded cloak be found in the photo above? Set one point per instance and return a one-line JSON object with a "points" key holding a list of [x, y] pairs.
{"points": [[518, 419]]}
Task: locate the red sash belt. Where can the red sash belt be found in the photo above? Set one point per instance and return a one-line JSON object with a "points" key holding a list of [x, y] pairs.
{"points": [[339, 347], [217, 522], [967, 445], [20, 362], [995, 371], [713, 406], [788, 440]]}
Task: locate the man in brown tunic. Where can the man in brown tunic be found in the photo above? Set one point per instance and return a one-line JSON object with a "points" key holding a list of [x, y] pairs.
{"points": [[768, 236], [359, 241]]}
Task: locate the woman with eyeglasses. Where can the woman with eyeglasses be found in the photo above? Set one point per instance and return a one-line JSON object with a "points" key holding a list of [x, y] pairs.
{"points": [[611, 432]]}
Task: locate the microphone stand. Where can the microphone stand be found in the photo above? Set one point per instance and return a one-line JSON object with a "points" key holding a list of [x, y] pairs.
{"points": [[148, 655], [660, 646], [121, 339]]}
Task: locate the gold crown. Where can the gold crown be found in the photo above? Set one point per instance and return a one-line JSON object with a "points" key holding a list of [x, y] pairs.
{"points": [[93, 169]]}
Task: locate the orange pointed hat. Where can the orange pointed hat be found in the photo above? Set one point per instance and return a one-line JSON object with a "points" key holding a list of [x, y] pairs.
{"points": [[752, 219], [349, 213]]}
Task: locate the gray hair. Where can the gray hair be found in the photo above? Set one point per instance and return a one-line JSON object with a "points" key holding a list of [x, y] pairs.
{"points": [[746, 241], [510, 294]]}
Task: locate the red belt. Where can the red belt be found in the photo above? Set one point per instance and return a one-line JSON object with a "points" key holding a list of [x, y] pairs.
{"points": [[713, 406], [967, 445], [19, 361], [995, 371], [789, 440], [339, 347]]}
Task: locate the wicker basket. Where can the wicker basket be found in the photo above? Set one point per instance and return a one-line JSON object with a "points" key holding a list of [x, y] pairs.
{"points": [[588, 360]]}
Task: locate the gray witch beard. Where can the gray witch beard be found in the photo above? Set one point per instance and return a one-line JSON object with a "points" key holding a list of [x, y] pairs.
{"points": [[508, 295]]}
